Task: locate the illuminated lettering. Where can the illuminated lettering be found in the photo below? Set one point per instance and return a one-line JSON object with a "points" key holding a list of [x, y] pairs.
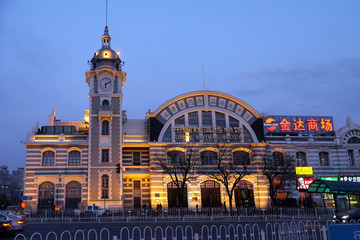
{"points": [[197, 130], [299, 125], [228, 130], [326, 124], [237, 129], [178, 129], [312, 124], [218, 130], [284, 125], [188, 129], [207, 130]]}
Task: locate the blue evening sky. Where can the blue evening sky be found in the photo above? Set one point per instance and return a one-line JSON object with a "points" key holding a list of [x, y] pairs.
{"points": [[299, 57]]}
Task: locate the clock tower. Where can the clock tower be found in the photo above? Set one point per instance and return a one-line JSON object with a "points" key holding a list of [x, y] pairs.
{"points": [[105, 80]]}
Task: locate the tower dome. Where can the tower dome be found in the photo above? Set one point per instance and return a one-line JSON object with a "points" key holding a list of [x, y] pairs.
{"points": [[105, 56]]}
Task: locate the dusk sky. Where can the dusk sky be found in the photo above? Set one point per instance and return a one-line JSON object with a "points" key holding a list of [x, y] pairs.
{"points": [[299, 57]]}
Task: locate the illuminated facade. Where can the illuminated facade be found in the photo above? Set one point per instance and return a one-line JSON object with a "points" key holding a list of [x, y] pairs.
{"points": [[71, 164]]}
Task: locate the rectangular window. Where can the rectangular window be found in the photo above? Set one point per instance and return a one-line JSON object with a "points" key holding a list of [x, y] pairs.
{"points": [[136, 159], [351, 157], [206, 119], [105, 155]]}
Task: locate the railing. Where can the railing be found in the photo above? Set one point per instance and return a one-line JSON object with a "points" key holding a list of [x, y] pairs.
{"points": [[267, 231], [209, 215]]}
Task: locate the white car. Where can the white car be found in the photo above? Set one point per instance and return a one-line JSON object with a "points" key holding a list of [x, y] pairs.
{"points": [[17, 224]]}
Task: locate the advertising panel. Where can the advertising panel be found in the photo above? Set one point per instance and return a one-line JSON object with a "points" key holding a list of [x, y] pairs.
{"points": [[298, 124], [349, 178], [304, 170], [329, 178], [303, 183]]}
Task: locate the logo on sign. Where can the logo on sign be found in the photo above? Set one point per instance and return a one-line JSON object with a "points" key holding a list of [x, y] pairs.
{"points": [[270, 124]]}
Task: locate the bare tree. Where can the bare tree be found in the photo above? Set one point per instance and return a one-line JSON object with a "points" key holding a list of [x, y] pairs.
{"points": [[179, 165], [280, 167], [230, 168]]}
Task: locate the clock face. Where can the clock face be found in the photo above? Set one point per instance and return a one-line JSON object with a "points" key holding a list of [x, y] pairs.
{"points": [[106, 84]]}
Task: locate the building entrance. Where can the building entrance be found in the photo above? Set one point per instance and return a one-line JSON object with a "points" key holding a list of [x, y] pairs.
{"points": [[176, 198], [46, 196], [137, 194], [210, 194], [73, 195], [244, 194]]}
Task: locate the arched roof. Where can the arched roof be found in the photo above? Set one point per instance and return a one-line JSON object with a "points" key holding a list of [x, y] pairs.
{"points": [[205, 100], [334, 187]]}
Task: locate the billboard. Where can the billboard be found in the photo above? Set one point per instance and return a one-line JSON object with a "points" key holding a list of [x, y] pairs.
{"points": [[298, 124], [349, 178], [304, 170], [303, 183], [329, 178]]}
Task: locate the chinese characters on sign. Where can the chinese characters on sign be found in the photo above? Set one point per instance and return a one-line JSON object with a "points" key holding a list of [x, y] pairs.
{"points": [[304, 170], [208, 133], [349, 178], [298, 124]]}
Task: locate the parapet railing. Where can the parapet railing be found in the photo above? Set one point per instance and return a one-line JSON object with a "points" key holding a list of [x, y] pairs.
{"points": [[208, 215]]}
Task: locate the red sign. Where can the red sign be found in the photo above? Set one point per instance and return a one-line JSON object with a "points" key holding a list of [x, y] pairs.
{"points": [[303, 183], [277, 182], [270, 124], [296, 124]]}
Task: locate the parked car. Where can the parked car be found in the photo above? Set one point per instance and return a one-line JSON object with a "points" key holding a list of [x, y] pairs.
{"points": [[13, 214], [91, 210], [5, 227], [345, 218], [17, 224]]}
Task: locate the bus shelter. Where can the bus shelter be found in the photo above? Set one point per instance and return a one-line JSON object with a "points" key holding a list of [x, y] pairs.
{"points": [[336, 188]]}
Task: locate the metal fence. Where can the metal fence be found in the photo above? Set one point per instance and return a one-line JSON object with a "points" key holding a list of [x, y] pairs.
{"points": [[210, 214], [302, 230]]}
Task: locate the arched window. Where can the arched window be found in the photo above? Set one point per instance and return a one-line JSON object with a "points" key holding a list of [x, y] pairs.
{"points": [[48, 158], [105, 127], [324, 159], [105, 186], [278, 158], [301, 159], [208, 158], [74, 158], [73, 195], [176, 158], [244, 194], [354, 140], [46, 195], [241, 158], [105, 103]]}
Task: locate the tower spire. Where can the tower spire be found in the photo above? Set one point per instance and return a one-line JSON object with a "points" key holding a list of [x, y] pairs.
{"points": [[106, 13]]}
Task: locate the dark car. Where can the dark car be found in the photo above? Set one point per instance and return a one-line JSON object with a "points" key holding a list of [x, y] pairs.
{"points": [[5, 227], [353, 214]]}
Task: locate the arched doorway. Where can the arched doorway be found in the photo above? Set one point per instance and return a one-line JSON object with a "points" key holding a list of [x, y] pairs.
{"points": [[244, 194], [73, 195], [176, 198], [46, 195], [210, 194]]}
